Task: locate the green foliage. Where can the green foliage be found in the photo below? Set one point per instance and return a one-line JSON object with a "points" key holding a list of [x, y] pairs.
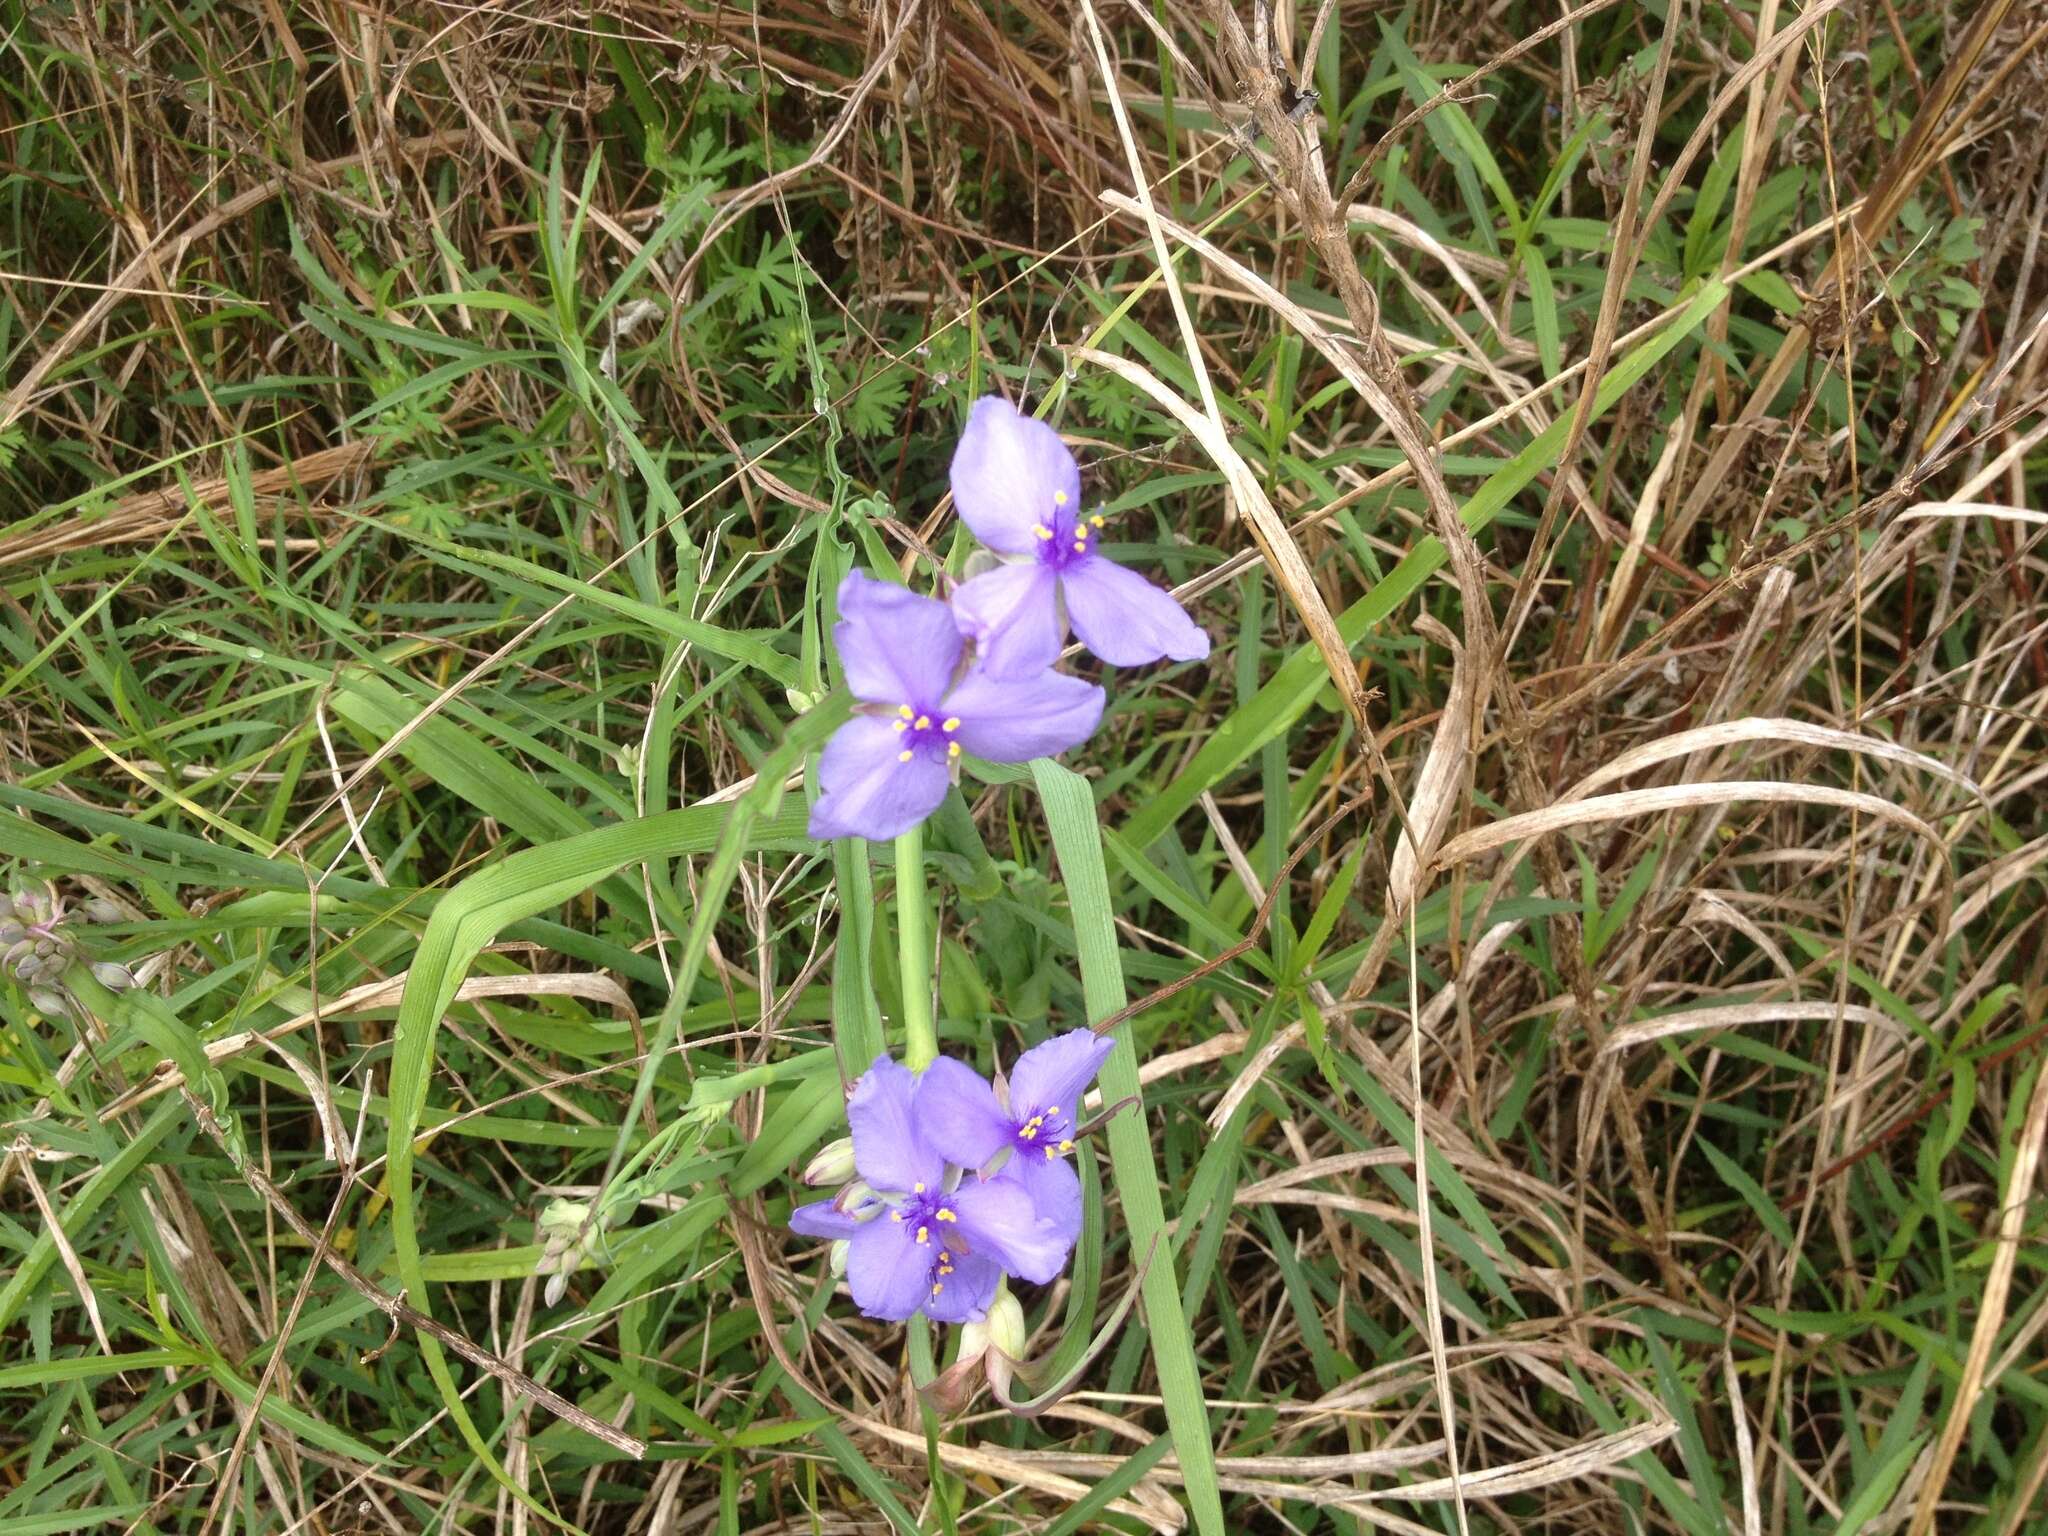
{"points": [[418, 581]]}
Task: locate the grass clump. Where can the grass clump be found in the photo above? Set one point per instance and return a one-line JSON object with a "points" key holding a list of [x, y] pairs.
{"points": [[1577, 940]]}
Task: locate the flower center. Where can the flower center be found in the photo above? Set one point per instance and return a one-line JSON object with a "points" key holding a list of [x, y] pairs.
{"points": [[924, 735], [1049, 1132], [931, 1219], [1066, 538]]}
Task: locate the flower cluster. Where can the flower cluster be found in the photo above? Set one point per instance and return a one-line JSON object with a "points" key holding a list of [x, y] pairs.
{"points": [[960, 1181], [934, 680], [39, 942]]}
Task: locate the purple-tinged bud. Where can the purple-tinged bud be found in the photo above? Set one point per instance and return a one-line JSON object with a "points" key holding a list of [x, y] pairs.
{"points": [[44, 1001], [833, 1164], [101, 910], [115, 978]]}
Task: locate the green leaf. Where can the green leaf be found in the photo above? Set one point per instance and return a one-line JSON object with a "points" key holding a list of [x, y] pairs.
{"points": [[1070, 813]]}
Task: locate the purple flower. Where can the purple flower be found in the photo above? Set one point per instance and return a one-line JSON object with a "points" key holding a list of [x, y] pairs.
{"points": [[887, 769], [1019, 489], [963, 1118], [941, 1241]]}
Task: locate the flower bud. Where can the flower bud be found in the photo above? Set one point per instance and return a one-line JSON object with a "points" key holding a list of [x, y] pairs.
{"points": [[47, 1003], [973, 1339], [101, 910], [1005, 1325], [561, 1220], [837, 1258], [115, 978], [566, 1241], [833, 1164]]}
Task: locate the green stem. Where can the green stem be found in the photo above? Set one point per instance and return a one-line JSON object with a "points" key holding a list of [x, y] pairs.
{"points": [[914, 952]]}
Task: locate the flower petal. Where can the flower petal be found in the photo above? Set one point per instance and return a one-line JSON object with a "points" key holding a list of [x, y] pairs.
{"points": [[999, 1221], [886, 1147], [1124, 619], [823, 1218], [866, 790], [889, 1271], [1012, 614], [1009, 472], [896, 647], [966, 1292], [957, 1113], [1054, 1187], [1012, 720], [1055, 1073]]}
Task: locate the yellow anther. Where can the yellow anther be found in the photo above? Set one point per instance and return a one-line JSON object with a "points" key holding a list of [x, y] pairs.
{"points": [[952, 749], [1059, 498], [895, 1215], [904, 756], [938, 1286], [1096, 519], [905, 711], [1080, 546], [917, 1188], [1051, 1154], [1052, 1109], [924, 1234], [946, 1213], [1067, 1145], [1042, 531], [924, 722], [950, 724], [902, 725]]}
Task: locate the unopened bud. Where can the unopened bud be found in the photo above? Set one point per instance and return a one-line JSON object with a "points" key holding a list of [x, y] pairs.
{"points": [[973, 1339], [44, 1001], [115, 978], [837, 1258], [565, 1243], [101, 910], [1005, 1325], [832, 1165], [561, 1220]]}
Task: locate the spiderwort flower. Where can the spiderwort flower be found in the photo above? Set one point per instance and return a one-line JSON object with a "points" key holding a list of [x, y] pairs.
{"points": [[1019, 489], [935, 1242], [971, 1126], [888, 767]]}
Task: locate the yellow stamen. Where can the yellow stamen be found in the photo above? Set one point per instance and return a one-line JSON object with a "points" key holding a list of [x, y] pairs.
{"points": [[917, 1188], [904, 756], [905, 711], [902, 725], [1080, 546], [946, 1213], [1096, 520], [924, 722], [1052, 1154], [1067, 1145], [950, 724], [952, 749], [1042, 531], [895, 1215], [938, 1286], [1059, 498], [924, 1234]]}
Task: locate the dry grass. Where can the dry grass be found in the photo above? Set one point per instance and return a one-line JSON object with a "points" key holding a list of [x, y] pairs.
{"points": [[1620, 771]]}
